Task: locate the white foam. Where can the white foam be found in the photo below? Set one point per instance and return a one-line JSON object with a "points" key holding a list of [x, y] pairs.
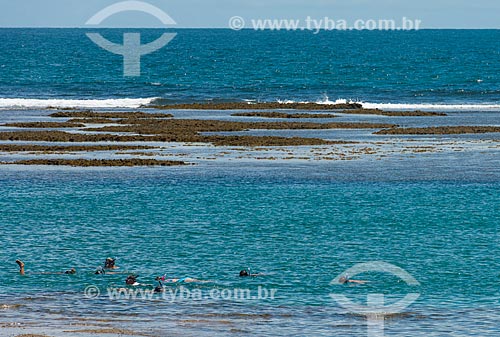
{"points": [[325, 100], [456, 107], [23, 103], [406, 106], [133, 103]]}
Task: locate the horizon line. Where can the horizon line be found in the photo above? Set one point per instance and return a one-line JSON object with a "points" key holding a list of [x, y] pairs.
{"points": [[228, 28]]}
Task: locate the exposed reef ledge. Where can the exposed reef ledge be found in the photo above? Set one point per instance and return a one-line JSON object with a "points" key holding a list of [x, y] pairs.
{"points": [[440, 130], [379, 112], [59, 136], [69, 148], [282, 115], [256, 106], [93, 114], [416, 113], [97, 162]]}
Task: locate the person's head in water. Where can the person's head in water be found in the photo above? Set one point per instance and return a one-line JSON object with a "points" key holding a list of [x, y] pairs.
{"points": [[244, 273], [110, 263], [131, 280], [72, 271], [346, 280]]}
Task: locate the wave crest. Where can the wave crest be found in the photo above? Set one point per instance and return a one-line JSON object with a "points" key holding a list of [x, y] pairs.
{"points": [[405, 106], [24, 103]]}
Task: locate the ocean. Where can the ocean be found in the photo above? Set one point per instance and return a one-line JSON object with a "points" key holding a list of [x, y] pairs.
{"points": [[300, 224], [446, 67]]}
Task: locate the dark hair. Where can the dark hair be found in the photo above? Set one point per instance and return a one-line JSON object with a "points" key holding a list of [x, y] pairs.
{"points": [[244, 273], [343, 280], [131, 279], [110, 263]]}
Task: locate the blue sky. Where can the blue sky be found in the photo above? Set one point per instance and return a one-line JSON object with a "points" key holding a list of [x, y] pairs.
{"points": [[216, 13]]}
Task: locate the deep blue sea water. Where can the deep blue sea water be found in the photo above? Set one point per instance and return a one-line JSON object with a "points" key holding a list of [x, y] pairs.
{"points": [[414, 67], [301, 224]]}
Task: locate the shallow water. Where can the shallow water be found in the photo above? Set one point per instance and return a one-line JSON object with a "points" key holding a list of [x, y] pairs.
{"points": [[301, 222], [301, 226]]}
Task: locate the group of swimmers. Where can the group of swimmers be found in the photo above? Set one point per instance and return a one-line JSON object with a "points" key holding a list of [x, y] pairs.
{"points": [[110, 267]]}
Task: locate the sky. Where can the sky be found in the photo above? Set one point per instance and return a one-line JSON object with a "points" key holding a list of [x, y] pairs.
{"points": [[216, 13]]}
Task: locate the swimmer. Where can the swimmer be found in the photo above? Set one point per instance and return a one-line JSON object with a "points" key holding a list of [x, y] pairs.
{"points": [[159, 288], [347, 280], [132, 280], [100, 271], [246, 273], [21, 265], [110, 264], [179, 280]]}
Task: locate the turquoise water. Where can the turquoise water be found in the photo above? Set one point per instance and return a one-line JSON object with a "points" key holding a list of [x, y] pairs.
{"points": [[300, 223], [301, 227]]}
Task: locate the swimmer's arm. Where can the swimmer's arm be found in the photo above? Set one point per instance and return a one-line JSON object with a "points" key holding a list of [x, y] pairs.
{"points": [[194, 280], [358, 281]]}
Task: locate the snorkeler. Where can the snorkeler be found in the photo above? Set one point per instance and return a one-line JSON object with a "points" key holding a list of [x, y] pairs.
{"points": [[159, 288], [346, 280], [132, 280], [110, 264], [20, 263], [179, 280], [100, 271], [247, 273]]}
